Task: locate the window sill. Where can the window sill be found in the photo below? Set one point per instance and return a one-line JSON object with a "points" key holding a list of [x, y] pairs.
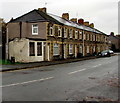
{"points": [[34, 34], [57, 55], [50, 35]]}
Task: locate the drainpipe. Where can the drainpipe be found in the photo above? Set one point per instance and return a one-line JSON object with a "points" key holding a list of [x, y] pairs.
{"points": [[62, 43], [20, 29], [83, 44], [7, 45]]}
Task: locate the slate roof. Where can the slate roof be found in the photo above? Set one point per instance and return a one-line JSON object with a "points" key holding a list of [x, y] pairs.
{"points": [[39, 16], [114, 36], [35, 16], [76, 25]]}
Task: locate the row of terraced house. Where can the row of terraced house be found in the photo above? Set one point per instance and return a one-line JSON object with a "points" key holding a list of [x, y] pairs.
{"points": [[41, 36]]}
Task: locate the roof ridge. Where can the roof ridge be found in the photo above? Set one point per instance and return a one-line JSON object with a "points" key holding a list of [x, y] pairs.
{"points": [[39, 12], [22, 15]]}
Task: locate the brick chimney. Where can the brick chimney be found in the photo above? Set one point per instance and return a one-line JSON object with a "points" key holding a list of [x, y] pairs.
{"points": [[86, 23], [81, 21], [74, 20], [112, 33], [43, 9], [91, 25], [65, 16]]}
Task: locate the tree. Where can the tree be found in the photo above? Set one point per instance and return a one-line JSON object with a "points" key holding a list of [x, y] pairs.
{"points": [[3, 37]]}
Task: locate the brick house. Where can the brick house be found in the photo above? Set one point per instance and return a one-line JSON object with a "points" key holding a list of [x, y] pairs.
{"points": [[114, 42], [40, 36]]}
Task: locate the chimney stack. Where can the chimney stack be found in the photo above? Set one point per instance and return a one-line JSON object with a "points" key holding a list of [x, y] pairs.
{"points": [[81, 21], [91, 25], [43, 9], [65, 16], [86, 23], [74, 20]]}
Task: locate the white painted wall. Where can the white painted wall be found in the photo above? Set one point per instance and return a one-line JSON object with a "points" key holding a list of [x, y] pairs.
{"points": [[19, 48]]}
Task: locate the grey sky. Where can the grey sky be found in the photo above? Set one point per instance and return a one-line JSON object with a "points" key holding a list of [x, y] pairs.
{"points": [[103, 13]]}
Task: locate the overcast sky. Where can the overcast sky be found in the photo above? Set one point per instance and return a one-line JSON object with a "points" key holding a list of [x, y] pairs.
{"points": [[103, 13]]}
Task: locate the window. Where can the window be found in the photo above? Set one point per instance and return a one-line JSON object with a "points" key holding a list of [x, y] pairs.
{"points": [[59, 32], [88, 37], [51, 31], [70, 49], [76, 34], [70, 33], [55, 49], [91, 37], [31, 49], [84, 35], [80, 35], [39, 48], [65, 32], [35, 29], [80, 49], [56, 31]]}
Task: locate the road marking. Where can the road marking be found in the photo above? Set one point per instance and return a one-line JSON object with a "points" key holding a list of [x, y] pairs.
{"points": [[76, 71], [97, 65], [42, 79]]}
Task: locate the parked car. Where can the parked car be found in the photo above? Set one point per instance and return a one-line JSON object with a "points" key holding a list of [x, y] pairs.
{"points": [[106, 53]]}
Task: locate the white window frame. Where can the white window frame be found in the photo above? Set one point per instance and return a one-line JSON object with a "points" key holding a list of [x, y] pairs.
{"points": [[80, 35], [57, 46], [34, 28], [70, 48], [59, 31]]}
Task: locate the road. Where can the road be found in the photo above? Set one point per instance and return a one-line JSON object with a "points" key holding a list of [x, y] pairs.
{"points": [[94, 80]]}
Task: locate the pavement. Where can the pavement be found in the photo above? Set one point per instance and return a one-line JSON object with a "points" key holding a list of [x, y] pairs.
{"points": [[12, 67], [39, 64]]}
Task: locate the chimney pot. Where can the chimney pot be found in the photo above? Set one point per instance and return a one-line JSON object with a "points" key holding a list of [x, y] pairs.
{"points": [[81, 21], [43, 9], [86, 23], [65, 16], [92, 25], [74, 20]]}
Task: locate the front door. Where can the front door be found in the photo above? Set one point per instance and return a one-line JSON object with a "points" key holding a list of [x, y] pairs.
{"points": [[75, 51], [64, 51], [48, 52]]}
